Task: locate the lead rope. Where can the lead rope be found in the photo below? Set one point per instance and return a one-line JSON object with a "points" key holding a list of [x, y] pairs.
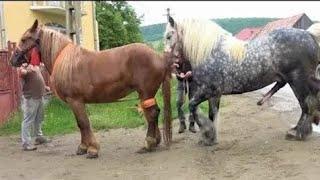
{"points": [[187, 84]]}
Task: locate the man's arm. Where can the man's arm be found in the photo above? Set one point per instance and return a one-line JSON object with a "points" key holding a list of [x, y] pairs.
{"points": [[187, 69], [24, 69]]}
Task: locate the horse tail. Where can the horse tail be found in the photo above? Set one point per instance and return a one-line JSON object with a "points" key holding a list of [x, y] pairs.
{"points": [[166, 92], [314, 29]]}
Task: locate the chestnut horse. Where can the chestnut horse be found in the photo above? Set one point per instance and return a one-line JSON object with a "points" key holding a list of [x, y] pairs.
{"points": [[81, 76]]}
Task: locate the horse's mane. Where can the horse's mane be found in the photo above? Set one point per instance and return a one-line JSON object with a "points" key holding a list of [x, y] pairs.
{"points": [[200, 37], [51, 44]]}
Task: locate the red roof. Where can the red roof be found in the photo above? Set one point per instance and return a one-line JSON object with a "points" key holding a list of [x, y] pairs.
{"points": [[247, 33], [281, 23]]}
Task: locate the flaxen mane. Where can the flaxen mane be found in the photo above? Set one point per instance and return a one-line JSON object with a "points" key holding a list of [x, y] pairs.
{"points": [[200, 37], [52, 43]]}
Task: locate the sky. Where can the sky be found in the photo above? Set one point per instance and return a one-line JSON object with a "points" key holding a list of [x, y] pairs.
{"points": [[154, 10]]}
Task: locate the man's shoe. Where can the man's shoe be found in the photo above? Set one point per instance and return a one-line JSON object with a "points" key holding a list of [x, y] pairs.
{"points": [[192, 128], [29, 147], [41, 140], [182, 127]]}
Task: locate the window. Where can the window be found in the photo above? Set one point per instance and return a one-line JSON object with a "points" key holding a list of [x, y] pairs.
{"points": [[58, 27]]}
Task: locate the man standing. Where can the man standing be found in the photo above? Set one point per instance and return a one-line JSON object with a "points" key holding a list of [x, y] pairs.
{"points": [[33, 87], [184, 77]]}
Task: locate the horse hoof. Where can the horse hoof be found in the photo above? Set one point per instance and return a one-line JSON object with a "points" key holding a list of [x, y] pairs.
{"points": [[182, 128], [207, 142], [144, 150], [81, 150], [158, 141], [150, 142], [192, 129], [200, 142], [292, 135], [92, 155]]}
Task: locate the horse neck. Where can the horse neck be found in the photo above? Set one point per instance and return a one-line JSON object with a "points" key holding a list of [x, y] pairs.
{"points": [[50, 49]]}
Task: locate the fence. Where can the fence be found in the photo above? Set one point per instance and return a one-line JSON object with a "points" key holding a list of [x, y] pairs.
{"points": [[10, 88]]}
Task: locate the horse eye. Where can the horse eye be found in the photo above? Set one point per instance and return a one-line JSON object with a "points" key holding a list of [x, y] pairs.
{"points": [[168, 37]]}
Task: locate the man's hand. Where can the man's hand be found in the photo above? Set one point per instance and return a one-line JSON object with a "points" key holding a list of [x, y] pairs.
{"points": [[181, 75], [47, 88], [185, 76], [188, 74], [23, 69]]}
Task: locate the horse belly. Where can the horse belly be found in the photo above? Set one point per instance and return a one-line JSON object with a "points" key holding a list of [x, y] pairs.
{"points": [[109, 93], [256, 81], [249, 77]]}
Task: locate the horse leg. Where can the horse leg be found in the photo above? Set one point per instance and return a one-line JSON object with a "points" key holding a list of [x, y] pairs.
{"points": [[214, 104], [180, 101], [274, 89], [305, 97], [208, 131], [151, 112], [88, 141], [191, 119]]}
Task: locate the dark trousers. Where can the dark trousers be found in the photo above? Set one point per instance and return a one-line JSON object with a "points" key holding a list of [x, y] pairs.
{"points": [[181, 93]]}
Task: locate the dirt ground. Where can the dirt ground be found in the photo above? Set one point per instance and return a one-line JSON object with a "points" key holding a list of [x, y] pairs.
{"points": [[251, 146]]}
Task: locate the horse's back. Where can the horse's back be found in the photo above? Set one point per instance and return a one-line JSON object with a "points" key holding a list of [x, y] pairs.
{"points": [[298, 42], [118, 71], [284, 46]]}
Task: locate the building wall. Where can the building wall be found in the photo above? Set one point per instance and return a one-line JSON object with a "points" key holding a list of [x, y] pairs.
{"points": [[18, 17], [87, 26]]}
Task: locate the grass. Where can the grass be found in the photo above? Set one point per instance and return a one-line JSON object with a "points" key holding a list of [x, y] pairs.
{"points": [[59, 119]]}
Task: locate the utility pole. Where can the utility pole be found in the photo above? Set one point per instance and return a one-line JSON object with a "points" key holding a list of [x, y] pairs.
{"points": [[73, 20], [168, 14]]}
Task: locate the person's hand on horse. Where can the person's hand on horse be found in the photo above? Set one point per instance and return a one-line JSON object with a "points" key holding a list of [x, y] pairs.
{"points": [[23, 69], [47, 88], [188, 74], [181, 75]]}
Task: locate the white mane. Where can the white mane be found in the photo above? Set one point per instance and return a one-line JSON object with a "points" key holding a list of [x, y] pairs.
{"points": [[200, 37]]}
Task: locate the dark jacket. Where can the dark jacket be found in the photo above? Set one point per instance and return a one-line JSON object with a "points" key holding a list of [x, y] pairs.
{"points": [[184, 68]]}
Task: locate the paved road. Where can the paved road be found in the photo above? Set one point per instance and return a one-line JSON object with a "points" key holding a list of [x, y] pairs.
{"points": [[284, 100]]}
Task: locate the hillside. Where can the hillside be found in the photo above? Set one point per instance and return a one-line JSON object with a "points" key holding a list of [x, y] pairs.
{"points": [[234, 25]]}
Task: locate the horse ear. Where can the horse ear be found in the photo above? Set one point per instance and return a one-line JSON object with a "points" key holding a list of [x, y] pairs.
{"points": [[34, 26], [171, 21]]}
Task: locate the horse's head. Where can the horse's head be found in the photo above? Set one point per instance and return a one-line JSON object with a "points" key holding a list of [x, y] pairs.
{"points": [[172, 41], [29, 40]]}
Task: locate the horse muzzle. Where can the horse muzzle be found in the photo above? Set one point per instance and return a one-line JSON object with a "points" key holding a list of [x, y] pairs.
{"points": [[17, 59]]}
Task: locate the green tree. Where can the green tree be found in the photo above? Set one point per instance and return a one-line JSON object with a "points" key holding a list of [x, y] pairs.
{"points": [[118, 24]]}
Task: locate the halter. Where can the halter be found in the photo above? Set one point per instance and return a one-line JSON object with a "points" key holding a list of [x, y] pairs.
{"points": [[25, 51], [181, 60], [178, 56]]}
